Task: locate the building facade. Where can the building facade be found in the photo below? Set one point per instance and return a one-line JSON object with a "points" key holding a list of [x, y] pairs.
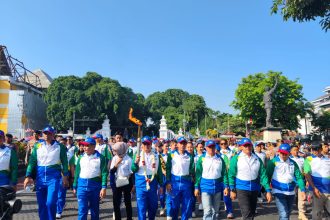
{"points": [[320, 104], [22, 107]]}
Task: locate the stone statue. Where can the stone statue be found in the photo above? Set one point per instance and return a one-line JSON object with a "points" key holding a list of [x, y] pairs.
{"points": [[269, 104]]}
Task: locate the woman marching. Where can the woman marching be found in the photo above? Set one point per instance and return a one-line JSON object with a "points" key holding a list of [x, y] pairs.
{"points": [[121, 169]]}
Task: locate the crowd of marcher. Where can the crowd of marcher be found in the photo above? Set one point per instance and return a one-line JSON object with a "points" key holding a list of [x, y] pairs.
{"points": [[177, 175]]}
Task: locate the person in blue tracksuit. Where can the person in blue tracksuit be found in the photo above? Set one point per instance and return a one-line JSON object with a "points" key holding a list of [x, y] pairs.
{"points": [[47, 163], [8, 164], [246, 173], [90, 180], [317, 173], [226, 151], [283, 172], [180, 171], [148, 175], [163, 196], [211, 180], [62, 191]]}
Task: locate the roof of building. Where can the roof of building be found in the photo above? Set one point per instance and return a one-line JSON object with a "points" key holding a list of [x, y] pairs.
{"points": [[45, 79], [327, 95]]}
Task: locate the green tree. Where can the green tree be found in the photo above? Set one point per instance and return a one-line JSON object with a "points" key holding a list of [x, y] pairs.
{"points": [[195, 108], [175, 104], [288, 100], [91, 96], [304, 10], [322, 123]]}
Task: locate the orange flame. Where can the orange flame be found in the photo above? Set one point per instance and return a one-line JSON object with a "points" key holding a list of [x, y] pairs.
{"points": [[133, 119]]}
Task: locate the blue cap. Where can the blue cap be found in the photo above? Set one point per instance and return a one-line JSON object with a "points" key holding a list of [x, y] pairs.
{"points": [[88, 141], [2, 133], [284, 148], [199, 141], [48, 129], [132, 140], [210, 143], [98, 136], [245, 141], [155, 141], [181, 139], [154, 138], [146, 140]]}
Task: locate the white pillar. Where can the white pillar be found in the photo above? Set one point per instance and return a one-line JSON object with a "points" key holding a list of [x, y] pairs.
{"points": [[163, 128]]}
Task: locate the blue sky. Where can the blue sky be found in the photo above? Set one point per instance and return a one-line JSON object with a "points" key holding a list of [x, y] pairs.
{"points": [[203, 47]]}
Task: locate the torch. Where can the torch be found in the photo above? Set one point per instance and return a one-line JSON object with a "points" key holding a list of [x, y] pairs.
{"points": [[139, 124]]}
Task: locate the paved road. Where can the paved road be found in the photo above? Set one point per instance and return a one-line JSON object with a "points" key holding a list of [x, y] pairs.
{"points": [[30, 209]]}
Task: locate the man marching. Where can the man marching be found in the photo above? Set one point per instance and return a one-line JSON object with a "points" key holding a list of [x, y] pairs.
{"points": [[47, 162], [102, 148], [180, 171], [211, 179], [301, 200], [62, 190], [283, 172], [226, 153], [148, 174], [246, 172], [90, 180], [8, 163], [317, 172]]}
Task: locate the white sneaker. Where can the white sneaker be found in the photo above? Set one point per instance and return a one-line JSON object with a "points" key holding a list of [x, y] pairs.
{"points": [[193, 214], [58, 216], [162, 212], [200, 207], [89, 212]]}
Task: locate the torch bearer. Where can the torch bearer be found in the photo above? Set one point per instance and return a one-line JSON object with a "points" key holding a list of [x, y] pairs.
{"points": [[139, 124]]}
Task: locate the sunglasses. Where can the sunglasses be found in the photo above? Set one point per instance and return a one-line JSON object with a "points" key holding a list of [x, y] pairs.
{"points": [[247, 145], [222, 143], [47, 133]]}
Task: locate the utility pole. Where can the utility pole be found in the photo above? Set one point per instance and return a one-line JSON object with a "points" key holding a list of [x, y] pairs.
{"points": [[73, 123], [205, 124], [184, 123], [197, 120]]}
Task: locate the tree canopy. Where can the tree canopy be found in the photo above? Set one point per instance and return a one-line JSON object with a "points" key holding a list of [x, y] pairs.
{"points": [[94, 96], [91, 96], [322, 123], [304, 10], [175, 105], [288, 100]]}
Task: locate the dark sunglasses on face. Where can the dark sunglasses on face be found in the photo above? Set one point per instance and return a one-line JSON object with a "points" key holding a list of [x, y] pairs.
{"points": [[222, 143], [247, 145]]}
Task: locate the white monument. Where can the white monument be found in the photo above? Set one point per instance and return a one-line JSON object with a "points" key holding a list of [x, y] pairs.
{"points": [[70, 132], [180, 132], [106, 130], [163, 128], [88, 132], [198, 133]]}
